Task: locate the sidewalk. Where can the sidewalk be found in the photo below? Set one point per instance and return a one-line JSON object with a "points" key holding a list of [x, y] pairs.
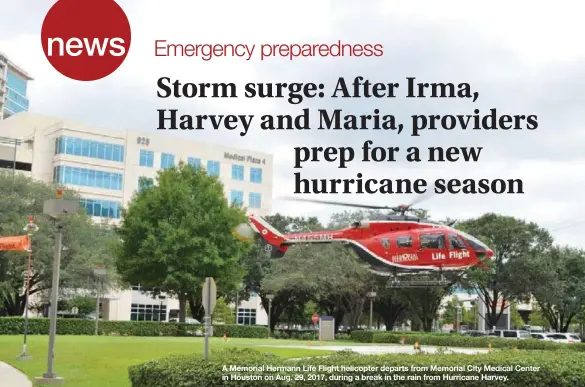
{"points": [[11, 377]]}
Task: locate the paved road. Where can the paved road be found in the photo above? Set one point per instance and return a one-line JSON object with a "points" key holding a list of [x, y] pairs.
{"points": [[372, 350], [11, 377]]}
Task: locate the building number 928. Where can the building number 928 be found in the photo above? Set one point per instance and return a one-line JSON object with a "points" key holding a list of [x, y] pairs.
{"points": [[142, 141]]}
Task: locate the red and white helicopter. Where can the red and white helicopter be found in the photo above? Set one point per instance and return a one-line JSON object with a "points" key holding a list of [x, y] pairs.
{"points": [[395, 244]]}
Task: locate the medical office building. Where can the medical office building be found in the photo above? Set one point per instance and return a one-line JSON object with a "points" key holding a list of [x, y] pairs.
{"points": [[107, 167]]}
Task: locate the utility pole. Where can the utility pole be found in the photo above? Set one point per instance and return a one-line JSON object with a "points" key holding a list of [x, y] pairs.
{"points": [[371, 296], [30, 228], [270, 297], [56, 209], [100, 273]]}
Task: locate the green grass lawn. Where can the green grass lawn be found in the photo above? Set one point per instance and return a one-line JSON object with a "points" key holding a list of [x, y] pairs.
{"points": [[88, 361]]}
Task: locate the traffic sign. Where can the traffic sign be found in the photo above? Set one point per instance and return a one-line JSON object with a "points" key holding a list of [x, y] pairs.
{"points": [[315, 318], [209, 295]]}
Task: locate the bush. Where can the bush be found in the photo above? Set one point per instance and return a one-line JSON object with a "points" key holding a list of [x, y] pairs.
{"points": [[455, 340], [66, 326], [554, 369]]}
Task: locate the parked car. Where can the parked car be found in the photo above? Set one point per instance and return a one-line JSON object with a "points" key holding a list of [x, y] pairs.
{"points": [[511, 334], [474, 333], [566, 338], [541, 336]]}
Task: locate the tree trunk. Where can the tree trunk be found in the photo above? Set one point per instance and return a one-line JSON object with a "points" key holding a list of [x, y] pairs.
{"points": [[182, 306]]}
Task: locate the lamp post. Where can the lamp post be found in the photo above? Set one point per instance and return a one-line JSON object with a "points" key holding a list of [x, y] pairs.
{"points": [[30, 228], [371, 296], [270, 297], [56, 209], [458, 321], [99, 273]]}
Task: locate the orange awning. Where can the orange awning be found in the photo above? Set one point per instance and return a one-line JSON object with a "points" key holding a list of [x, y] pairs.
{"points": [[14, 243]]}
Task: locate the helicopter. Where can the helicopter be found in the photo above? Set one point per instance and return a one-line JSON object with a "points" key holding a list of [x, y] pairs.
{"points": [[392, 245]]}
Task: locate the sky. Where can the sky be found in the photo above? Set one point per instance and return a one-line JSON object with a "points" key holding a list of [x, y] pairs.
{"points": [[521, 57]]}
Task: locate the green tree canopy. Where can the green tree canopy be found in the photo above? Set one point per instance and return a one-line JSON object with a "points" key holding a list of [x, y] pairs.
{"points": [[179, 231], [87, 244], [515, 242]]}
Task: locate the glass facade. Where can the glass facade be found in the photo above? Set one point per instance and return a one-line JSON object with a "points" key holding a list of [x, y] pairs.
{"points": [[103, 208], [213, 168], [146, 158], [194, 162], [89, 148], [255, 200], [153, 312], [87, 177], [246, 316], [256, 175], [16, 100], [167, 160], [237, 198], [238, 172]]}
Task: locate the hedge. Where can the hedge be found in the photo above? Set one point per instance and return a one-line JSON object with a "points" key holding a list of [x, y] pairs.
{"points": [[66, 326], [455, 340], [505, 368]]}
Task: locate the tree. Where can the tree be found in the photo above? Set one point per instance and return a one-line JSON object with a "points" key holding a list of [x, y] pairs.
{"points": [[516, 319], [536, 318], [390, 304], [179, 231], [222, 313], [88, 244], [557, 281], [514, 243]]}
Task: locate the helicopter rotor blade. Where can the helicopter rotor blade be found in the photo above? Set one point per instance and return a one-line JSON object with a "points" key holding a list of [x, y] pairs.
{"points": [[344, 204]]}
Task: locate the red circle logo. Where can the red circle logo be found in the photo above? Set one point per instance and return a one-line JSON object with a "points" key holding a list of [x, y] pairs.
{"points": [[86, 40]]}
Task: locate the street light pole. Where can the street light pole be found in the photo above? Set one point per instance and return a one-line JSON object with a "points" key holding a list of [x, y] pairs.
{"points": [[56, 209], [50, 374], [371, 296], [270, 297], [99, 273], [30, 228]]}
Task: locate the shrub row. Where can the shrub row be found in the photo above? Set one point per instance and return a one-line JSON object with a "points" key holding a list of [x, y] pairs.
{"points": [[65, 326], [455, 340], [510, 368]]}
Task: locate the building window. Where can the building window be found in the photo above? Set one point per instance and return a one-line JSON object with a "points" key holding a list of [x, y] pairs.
{"points": [[146, 158], [89, 148], [145, 183], [87, 177], [145, 312], [213, 168], [194, 162], [16, 83], [237, 198], [167, 160], [255, 200], [238, 172], [103, 208], [246, 316], [256, 175]]}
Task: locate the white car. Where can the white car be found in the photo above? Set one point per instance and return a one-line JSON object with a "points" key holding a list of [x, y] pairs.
{"points": [[511, 334], [541, 336], [567, 338]]}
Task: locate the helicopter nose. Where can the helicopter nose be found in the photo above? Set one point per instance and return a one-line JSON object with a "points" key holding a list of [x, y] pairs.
{"points": [[490, 253]]}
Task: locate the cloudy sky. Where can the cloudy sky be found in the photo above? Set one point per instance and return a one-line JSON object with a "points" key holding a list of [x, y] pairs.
{"points": [[522, 58]]}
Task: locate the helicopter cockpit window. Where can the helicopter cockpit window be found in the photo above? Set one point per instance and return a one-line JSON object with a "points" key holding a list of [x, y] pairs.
{"points": [[455, 242], [404, 241], [432, 241]]}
